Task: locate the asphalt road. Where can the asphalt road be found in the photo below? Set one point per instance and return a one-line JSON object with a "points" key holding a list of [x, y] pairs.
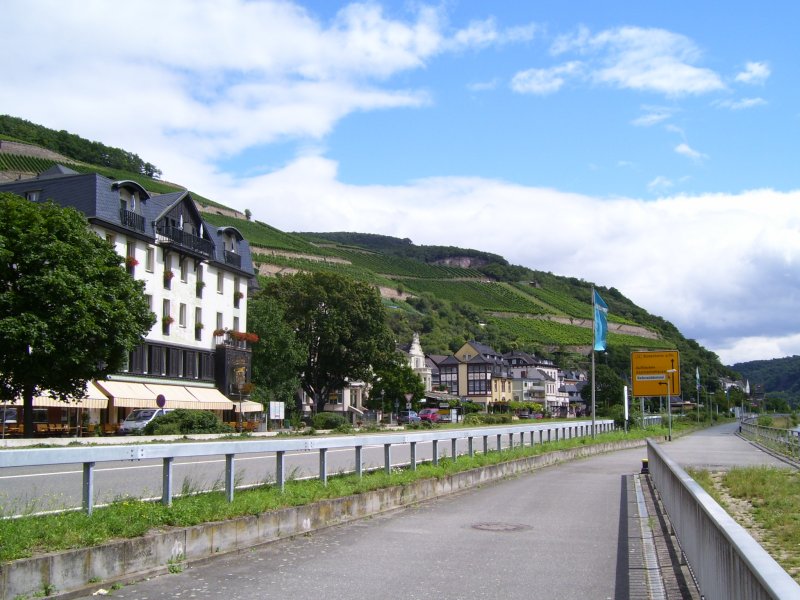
{"points": [[557, 533]]}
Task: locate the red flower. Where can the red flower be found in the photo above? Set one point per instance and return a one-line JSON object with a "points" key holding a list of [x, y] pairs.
{"points": [[130, 261]]}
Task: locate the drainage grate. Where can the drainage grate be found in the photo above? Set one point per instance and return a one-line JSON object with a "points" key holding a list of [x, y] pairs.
{"points": [[502, 527]]}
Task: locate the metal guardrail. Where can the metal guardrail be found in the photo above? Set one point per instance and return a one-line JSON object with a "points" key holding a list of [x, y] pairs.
{"points": [[727, 562], [785, 441], [90, 456]]}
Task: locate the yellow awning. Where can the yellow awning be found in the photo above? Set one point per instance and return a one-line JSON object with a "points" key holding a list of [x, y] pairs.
{"points": [[143, 395], [94, 399], [129, 395], [211, 398], [248, 406]]}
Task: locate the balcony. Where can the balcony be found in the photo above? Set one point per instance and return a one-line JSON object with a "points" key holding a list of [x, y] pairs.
{"points": [[184, 242], [233, 259], [131, 220]]}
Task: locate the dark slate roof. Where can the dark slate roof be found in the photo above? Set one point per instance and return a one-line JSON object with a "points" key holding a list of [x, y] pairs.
{"points": [[97, 197]]}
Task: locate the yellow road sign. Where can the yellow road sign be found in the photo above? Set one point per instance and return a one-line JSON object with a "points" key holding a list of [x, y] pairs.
{"points": [[650, 372]]}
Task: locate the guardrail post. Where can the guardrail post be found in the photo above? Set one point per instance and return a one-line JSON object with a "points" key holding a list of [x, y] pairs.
{"points": [[454, 448], [88, 487], [557, 431], [435, 451], [413, 455], [470, 448], [511, 441], [532, 438], [280, 472], [548, 434], [541, 436], [359, 461], [499, 442], [166, 481], [229, 476], [486, 444], [387, 458], [323, 465]]}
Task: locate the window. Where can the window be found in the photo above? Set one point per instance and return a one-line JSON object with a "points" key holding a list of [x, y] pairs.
{"points": [[33, 196], [220, 282], [168, 274], [130, 257], [184, 270], [236, 323], [198, 323], [182, 315], [237, 295], [149, 260], [111, 239], [166, 319], [149, 299], [219, 320], [200, 283]]}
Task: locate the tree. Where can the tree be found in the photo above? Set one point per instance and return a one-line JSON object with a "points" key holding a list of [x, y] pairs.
{"points": [[608, 389], [341, 325], [393, 380], [278, 356], [247, 214], [69, 312]]}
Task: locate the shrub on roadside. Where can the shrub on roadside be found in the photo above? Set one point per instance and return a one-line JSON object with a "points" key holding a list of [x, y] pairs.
{"points": [[326, 420], [182, 421]]}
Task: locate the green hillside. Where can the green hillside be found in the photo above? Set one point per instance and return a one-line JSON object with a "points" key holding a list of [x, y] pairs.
{"points": [[448, 295]]}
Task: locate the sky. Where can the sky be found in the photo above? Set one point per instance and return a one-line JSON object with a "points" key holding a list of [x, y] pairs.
{"points": [[648, 146]]}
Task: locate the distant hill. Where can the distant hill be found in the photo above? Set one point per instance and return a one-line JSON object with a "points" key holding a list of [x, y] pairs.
{"points": [[779, 376], [447, 294]]}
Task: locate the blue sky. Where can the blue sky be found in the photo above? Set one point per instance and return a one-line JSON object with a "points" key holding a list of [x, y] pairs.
{"points": [[648, 146]]}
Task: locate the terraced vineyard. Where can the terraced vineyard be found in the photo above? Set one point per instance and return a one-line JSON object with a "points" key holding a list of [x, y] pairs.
{"points": [[490, 296], [314, 266], [560, 302], [543, 331], [402, 267], [27, 164]]}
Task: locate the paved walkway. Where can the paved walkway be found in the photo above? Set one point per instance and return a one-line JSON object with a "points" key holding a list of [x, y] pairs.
{"points": [[573, 531]]}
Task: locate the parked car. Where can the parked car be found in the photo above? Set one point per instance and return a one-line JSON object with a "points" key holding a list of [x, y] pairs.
{"points": [[430, 414], [408, 416], [139, 418]]}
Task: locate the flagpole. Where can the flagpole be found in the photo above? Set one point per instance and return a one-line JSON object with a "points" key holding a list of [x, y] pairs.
{"points": [[594, 330]]}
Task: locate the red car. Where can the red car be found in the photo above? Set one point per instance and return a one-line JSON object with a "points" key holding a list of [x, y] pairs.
{"points": [[429, 414]]}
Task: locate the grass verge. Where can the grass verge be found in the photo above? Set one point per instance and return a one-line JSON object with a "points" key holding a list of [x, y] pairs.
{"points": [[127, 518], [771, 498]]}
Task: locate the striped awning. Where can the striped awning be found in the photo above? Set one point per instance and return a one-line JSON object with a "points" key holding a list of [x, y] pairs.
{"points": [[144, 395], [248, 406], [95, 398]]}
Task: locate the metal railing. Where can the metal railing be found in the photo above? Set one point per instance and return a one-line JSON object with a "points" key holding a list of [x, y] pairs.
{"points": [[784, 441], [90, 456], [727, 562]]}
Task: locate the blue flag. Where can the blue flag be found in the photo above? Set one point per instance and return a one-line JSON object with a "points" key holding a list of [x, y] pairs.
{"points": [[600, 322]]}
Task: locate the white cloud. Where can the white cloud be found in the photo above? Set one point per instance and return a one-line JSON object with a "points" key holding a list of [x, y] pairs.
{"points": [[755, 73], [685, 150], [659, 184], [742, 104], [652, 60], [486, 32], [544, 81], [653, 116], [483, 86]]}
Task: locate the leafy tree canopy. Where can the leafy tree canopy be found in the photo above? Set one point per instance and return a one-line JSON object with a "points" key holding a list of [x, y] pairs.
{"points": [[341, 325], [393, 380], [69, 312]]}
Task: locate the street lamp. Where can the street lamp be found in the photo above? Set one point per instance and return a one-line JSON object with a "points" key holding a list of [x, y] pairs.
{"points": [[669, 400]]}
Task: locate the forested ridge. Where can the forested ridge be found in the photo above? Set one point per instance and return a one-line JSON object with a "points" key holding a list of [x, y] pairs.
{"points": [[75, 147]]}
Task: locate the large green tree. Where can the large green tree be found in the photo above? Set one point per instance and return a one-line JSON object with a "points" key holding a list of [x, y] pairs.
{"points": [[278, 357], [393, 380], [608, 390], [341, 325], [69, 312]]}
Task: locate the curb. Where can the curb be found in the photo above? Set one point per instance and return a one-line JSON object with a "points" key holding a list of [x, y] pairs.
{"points": [[70, 572]]}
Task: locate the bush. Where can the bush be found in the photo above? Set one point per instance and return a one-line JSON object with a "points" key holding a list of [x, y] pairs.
{"points": [[326, 420], [183, 421], [487, 419]]}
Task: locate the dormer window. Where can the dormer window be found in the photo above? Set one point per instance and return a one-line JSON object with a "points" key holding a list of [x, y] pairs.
{"points": [[33, 196]]}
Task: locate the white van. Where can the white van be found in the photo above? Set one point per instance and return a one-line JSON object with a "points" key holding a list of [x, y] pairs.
{"points": [[139, 418]]}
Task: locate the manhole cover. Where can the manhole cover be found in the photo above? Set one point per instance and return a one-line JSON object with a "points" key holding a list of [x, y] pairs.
{"points": [[505, 527]]}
